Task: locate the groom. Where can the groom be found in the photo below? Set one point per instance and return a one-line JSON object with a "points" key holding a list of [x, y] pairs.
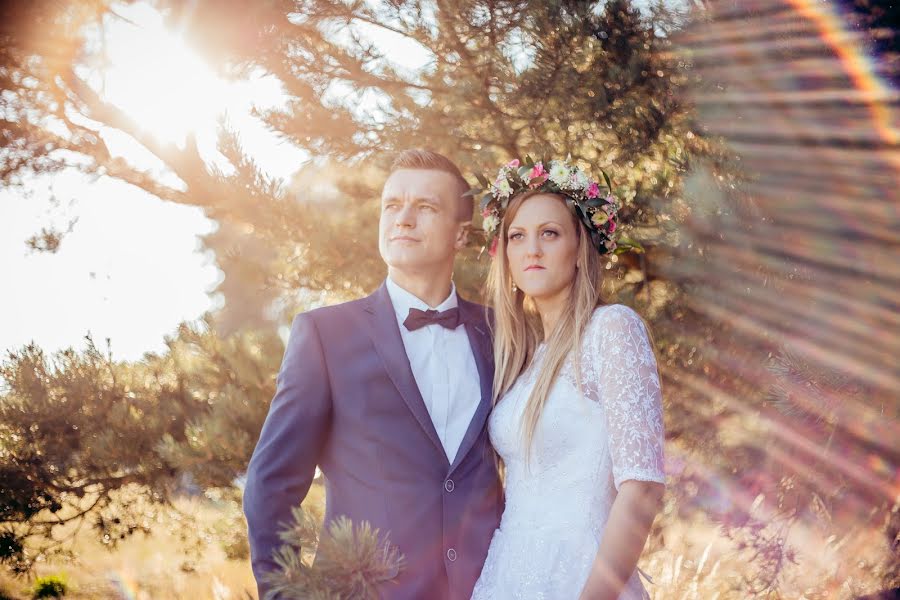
{"points": [[390, 395]]}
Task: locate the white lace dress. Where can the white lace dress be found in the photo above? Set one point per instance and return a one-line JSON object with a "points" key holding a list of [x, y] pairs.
{"points": [[584, 448]]}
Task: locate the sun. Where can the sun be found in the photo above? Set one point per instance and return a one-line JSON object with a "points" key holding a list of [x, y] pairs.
{"points": [[158, 80]]}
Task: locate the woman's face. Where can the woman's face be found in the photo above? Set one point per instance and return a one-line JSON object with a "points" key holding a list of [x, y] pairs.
{"points": [[542, 247]]}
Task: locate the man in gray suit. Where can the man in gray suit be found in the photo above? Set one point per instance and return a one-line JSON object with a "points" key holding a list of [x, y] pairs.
{"points": [[390, 395]]}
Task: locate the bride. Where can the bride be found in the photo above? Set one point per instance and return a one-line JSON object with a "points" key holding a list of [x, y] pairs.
{"points": [[577, 420]]}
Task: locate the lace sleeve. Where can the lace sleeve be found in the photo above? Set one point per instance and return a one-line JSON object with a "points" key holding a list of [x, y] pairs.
{"points": [[627, 384]]}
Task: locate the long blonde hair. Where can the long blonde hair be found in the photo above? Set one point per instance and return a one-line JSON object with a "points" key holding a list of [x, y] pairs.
{"points": [[518, 329]]}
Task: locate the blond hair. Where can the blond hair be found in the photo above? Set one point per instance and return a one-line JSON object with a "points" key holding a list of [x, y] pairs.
{"points": [[517, 325], [418, 159]]}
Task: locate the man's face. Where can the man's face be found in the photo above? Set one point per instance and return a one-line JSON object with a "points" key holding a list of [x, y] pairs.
{"points": [[420, 227]]}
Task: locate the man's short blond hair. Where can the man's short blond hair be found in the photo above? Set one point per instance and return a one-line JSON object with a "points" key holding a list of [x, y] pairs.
{"points": [[427, 160]]}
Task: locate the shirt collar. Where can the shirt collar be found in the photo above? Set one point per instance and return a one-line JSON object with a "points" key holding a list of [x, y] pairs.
{"points": [[404, 300]]}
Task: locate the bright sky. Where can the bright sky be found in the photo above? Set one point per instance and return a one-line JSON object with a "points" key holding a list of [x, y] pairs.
{"points": [[132, 268], [129, 270]]}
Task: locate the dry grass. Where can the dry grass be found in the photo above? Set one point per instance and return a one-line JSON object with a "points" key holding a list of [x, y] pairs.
{"points": [[179, 561], [697, 562], [692, 561], [155, 566]]}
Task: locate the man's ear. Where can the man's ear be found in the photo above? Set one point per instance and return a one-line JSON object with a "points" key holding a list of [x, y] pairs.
{"points": [[462, 235]]}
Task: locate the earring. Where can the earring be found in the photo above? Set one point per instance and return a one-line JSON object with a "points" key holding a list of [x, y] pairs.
{"points": [[514, 288]]}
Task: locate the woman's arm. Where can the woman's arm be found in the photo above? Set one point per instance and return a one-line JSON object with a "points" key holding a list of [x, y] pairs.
{"points": [[627, 384], [630, 519]]}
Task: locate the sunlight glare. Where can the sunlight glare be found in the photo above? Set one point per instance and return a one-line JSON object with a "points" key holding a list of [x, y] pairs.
{"points": [[159, 80]]}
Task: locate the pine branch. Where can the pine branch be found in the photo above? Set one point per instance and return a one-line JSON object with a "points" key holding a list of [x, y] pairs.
{"points": [[352, 562]]}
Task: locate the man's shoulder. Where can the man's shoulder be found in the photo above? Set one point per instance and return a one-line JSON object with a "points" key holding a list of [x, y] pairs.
{"points": [[324, 315], [477, 313]]}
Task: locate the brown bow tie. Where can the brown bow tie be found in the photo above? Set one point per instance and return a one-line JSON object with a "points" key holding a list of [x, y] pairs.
{"points": [[420, 318]]}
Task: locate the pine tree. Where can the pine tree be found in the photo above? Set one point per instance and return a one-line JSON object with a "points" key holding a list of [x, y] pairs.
{"points": [[614, 87], [596, 80]]}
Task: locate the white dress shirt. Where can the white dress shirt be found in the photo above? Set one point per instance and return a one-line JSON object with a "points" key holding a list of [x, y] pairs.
{"points": [[443, 366]]}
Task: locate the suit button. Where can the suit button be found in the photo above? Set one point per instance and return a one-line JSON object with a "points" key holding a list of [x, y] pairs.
{"points": [[449, 485], [451, 555]]}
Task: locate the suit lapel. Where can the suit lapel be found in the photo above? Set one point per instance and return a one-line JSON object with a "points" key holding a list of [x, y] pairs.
{"points": [[480, 341], [385, 334]]}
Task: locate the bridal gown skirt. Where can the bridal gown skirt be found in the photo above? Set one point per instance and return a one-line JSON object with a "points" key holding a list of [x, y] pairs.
{"points": [[542, 565]]}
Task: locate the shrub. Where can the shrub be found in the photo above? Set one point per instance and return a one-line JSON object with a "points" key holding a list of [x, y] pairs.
{"points": [[51, 586]]}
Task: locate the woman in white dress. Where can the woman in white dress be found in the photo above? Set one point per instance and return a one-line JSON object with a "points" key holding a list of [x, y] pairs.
{"points": [[577, 420]]}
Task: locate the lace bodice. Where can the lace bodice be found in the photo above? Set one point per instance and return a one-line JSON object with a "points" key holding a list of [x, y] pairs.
{"points": [[586, 444]]}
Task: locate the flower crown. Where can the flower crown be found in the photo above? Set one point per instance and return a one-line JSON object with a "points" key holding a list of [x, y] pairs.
{"points": [[595, 206]]}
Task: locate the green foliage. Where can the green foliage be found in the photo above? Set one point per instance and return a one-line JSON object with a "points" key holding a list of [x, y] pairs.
{"points": [[50, 586], [83, 437], [12, 549], [351, 561], [595, 80]]}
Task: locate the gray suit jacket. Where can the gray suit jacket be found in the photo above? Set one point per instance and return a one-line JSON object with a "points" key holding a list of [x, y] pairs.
{"points": [[347, 401]]}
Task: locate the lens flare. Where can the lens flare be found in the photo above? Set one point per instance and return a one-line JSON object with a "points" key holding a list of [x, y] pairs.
{"points": [[793, 265], [125, 585]]}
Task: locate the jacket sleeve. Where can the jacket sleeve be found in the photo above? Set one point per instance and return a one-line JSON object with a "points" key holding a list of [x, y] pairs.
{"points": [[284, 461]]}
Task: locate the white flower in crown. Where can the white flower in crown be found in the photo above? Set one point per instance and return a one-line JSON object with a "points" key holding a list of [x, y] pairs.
{"points": [[559, 173], [595, 206], [502, 187], [580, 180], [491, 223]]}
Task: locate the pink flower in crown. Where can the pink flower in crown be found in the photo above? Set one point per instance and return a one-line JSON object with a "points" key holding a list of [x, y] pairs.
{"points": [[492, 251], [537, 175], [513, 164], [593, 190], [612, 224], [486, 212]]}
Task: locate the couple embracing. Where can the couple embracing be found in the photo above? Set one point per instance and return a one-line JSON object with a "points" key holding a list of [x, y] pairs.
{"points": [[406, 399]]}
